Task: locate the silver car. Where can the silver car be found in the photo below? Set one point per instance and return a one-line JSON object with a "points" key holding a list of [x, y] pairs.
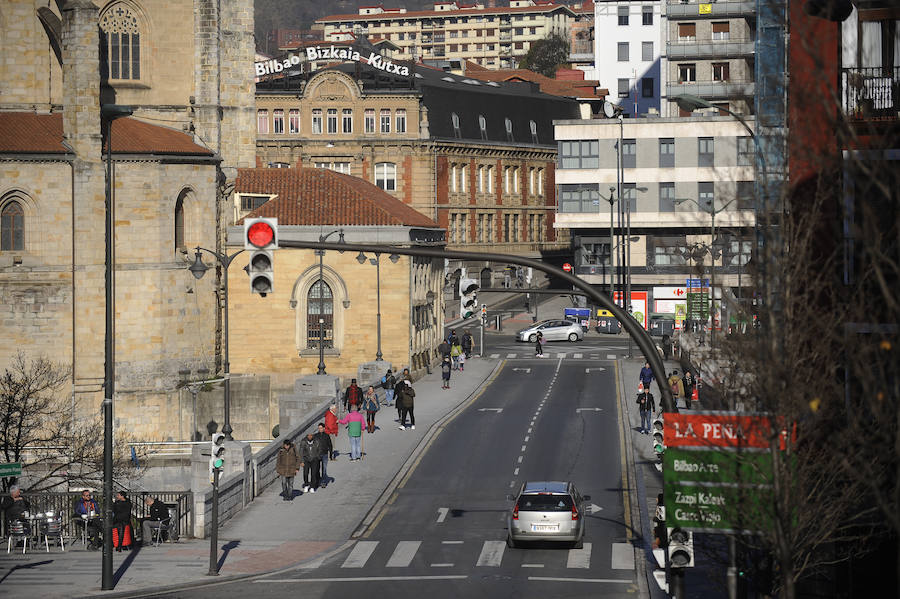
{"points": [[553, 330], [547, 511]]}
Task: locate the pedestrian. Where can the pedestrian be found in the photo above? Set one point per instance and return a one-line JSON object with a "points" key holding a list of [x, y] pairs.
{"points": [[286, 466], [538, 348], [452, 338], [122, 533], [310, 450], [689, 384], [646, 376], [406, 398], [325, 445], [455, 351], [86, 508], [157, 513], [444, 349], [405, 376], [370, 405], [446, 367], [331, 427], [468, 342], [647, 406], [352, 396], [462, 361], [354, 421], [387, 383], [676, 386], [506, 278]]}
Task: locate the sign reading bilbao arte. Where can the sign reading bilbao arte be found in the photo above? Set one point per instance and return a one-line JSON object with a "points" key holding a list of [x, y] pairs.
{"points": [[331, 53]]}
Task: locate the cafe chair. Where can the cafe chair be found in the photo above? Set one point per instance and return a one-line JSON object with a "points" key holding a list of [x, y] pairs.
{"points": [[54, 529], [17, 530], [159, 530]]}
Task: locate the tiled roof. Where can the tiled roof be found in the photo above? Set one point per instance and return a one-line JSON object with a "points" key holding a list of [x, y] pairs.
{"points": [[584, 88], [313, 196], [413, 14], [31, 133]]}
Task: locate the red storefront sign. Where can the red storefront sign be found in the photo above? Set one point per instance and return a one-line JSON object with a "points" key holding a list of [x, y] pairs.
{"points": [[716, 430]]}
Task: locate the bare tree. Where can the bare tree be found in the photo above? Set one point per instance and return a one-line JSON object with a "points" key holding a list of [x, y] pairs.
{"points": [[40, 428]]}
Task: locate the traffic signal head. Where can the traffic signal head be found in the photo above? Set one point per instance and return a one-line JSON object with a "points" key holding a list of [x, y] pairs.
{"points": [[216, 453], [468, 300], [260, 234], [261, 271], [681, 548], [659, 445]]}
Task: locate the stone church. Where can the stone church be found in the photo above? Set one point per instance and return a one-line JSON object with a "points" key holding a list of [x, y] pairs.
{"points": [[185, 70]]}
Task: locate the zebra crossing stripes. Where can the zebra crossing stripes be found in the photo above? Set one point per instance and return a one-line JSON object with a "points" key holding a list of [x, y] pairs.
{"points": [[511, 355], [360, 554], [491, 554], [494, 356], [579, 558], [403, 554], [577, 356]]}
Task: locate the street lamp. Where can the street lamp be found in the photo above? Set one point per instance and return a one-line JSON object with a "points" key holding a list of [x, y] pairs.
{"points": [[198, 269], [108, 114], [376, 261], [710, 207], [612, 270], [320, 369]]}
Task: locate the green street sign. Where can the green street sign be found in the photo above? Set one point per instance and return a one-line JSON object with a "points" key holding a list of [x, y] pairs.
{"points": [[698, 305], [11, 469], [718, 508], [717, 466]]}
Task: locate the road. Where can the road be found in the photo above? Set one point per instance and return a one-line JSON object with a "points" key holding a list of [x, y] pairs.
{"points": [[442, 533]]}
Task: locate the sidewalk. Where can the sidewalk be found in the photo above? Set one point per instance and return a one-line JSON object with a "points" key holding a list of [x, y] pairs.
{"points": [[269, 534]]}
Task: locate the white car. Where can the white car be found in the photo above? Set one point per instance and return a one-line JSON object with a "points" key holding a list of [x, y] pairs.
{"points": [[553, 330]]}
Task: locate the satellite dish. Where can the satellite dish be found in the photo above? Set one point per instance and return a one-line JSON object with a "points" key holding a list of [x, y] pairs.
{"points": [[608, 110]]}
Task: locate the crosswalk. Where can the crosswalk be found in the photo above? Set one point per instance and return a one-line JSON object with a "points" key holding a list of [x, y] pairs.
{"points": [[553, 355], [490, 554]]}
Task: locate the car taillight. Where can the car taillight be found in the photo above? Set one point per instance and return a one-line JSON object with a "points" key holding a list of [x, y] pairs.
{"points": [[574, 513], [516, 513]]}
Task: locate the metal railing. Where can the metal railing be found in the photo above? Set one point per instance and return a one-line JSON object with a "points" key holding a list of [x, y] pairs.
{"points": [[870, 92], [713, 89], [683, 9], [730, 48]]}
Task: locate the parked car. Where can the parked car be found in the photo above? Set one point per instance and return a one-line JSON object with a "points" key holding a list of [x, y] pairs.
{"points": [[553, 330], [547, 511]]}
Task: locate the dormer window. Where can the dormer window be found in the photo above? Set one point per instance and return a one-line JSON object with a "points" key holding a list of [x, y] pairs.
{"points": [[509, 130], [534, 136], [454, 120], [482, 126]]}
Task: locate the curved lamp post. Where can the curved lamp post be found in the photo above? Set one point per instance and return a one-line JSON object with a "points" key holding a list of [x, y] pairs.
{"points": [[320, 369], [198, 269], [376, 261]]}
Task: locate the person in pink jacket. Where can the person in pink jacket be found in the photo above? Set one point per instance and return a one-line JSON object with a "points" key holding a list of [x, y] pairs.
{"points": [[355, 423]]}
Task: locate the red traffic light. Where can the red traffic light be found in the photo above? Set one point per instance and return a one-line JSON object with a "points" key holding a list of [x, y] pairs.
{"points": [[260, 234]]}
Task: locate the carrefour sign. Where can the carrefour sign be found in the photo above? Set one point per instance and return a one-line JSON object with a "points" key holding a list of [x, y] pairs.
{"points": [[313, 53]]}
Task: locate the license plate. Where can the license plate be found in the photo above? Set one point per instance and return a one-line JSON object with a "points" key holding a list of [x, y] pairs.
{"points": [[545, 528]]}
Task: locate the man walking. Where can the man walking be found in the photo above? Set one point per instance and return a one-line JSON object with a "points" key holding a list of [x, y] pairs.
{"points": [[324, 440], [689, 384], [310, 452], [354, 421], [647, 406], [444, 348], [467, 343], [387, 383], [538, 347], [287, 466], [676, 386], [406, 400], [646, 376], [353, 396]]}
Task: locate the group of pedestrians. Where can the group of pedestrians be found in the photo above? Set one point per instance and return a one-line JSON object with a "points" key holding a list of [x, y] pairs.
{"points": [[454, 350], [681, 387], [316, 449]]}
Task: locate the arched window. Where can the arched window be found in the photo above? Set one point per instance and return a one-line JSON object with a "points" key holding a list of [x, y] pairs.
{"points": [[12, 227], [121, 40], [319, 305], [179, 223]]}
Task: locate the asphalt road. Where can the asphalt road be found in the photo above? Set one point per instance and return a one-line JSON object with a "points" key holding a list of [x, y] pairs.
{"points": [[442, 533]]}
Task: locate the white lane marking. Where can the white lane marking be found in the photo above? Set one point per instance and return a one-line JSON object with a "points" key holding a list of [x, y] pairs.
{"points": [[561, 356], [588, 370], [451, 542], [495, 356], [593, 508], [520, 459], [557, 579], [593, 356], [579, 558], [403, 554], [510, 355], [529, 429], [577, 356], [516, 472], [442, 513], [525, 370], [360, 554], [491, 553], [364, 578], [610, 356], [523, 448], [497, 410], [527, 437], [512, 484], [442, 565], [532, 565], [588, 410], [622, 556]]}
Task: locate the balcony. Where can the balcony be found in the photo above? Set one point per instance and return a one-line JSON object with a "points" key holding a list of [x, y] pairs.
{"points": [[505, 37], [712, 90], [680, 9], [870, 93], [679, 50]]}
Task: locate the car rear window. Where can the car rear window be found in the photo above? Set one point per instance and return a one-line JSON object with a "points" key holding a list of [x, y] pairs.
{"points": [[545, 503]]}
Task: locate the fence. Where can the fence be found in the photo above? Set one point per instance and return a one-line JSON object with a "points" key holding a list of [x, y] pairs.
{"points": [[64, 504]]}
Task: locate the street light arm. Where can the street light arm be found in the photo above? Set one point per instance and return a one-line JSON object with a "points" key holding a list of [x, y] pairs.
{"points": [[631, 326]]}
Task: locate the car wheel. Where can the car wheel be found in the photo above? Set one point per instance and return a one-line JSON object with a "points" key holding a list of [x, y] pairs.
{"points": [[573, 337], [532, 338], [510, 542], [579, 544]]}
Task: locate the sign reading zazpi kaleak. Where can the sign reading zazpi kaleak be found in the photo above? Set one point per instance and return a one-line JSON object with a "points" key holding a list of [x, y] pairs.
{"points": [[332, 52]]}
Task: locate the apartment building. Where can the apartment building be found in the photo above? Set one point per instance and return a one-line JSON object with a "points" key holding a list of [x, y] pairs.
{"points": [[710, 53], [627, 52], [494, 37], [677, 175]]}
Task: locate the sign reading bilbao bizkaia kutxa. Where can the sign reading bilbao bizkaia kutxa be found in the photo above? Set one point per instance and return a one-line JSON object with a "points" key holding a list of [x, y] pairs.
{"points": [[716, 429], [332, 52]]}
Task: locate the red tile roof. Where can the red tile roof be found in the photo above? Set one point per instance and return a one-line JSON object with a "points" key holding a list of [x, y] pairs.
{"points": [[313, 196], [578, 88], [31, 133]]}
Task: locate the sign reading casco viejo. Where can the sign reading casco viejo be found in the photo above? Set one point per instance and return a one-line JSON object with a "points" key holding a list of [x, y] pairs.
{"points": [[347, 53]]}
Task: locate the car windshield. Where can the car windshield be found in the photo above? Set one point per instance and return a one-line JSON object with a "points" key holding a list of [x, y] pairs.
{"points": [[545, 503]]}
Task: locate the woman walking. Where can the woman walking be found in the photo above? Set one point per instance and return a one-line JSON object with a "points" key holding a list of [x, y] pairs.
{"points": [[370, 405], [455, 352], [538, 349]]}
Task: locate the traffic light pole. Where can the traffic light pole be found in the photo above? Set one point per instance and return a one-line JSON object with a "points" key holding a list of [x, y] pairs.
{"points": [[214, 528], [631, 326]]}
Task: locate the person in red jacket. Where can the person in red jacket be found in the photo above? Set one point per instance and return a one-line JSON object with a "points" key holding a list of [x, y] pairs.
{"points": [[331, 427]]}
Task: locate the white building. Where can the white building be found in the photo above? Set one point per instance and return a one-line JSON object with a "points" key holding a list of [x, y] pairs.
{"points": [[628, 42]]}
